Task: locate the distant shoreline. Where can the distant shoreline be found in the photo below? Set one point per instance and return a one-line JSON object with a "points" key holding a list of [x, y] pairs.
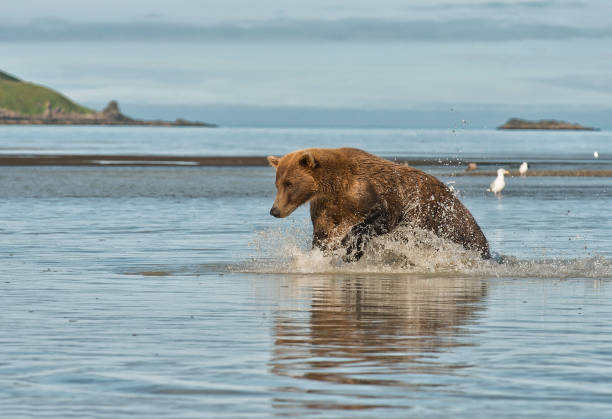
{"points": [[104, 160], [101, 122], [110, 116], [24, 103]]}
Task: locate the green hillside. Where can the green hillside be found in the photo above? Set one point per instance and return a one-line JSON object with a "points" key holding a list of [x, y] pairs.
{"points": [[31, 99], [5, 76]]}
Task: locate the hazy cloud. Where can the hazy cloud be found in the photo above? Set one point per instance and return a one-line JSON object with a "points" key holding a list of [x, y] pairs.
{"points": [[296, 30], [544, 4], [435, 116], [593, 82]]}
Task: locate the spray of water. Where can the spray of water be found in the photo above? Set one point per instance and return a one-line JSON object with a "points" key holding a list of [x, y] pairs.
{"points": [[407, 250]]}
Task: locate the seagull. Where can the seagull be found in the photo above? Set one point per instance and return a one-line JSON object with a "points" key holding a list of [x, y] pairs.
{"points": [[596, 155], [499, 183], [523, 168]]}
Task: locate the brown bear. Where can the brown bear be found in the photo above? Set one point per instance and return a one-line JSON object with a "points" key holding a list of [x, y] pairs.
{"points": [[355, 195]]}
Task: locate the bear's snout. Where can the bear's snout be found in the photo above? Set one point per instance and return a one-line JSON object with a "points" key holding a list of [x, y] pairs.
{"points": [[275, 212]]}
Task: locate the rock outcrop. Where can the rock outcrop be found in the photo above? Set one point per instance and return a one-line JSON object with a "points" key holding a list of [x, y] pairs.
{"points": [[548, 124]]}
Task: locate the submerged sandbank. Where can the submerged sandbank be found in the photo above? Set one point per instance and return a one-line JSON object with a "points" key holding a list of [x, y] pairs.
{"points": [[531, 173], [246, 161]]}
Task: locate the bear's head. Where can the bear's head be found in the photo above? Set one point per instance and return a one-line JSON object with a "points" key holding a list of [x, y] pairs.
{"points": [[295, 181]]}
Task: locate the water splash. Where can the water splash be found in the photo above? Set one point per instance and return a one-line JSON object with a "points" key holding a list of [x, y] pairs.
{"points": [[407, 250]]}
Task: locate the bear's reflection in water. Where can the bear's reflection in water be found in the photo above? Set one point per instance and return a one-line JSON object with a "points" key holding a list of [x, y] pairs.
{"points": [[371, 332]]}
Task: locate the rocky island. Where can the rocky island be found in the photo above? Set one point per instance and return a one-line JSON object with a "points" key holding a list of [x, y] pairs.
{"points": [[549, 124], [23, 103]]}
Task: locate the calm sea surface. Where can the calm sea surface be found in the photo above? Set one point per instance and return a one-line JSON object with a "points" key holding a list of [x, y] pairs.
{"points": [[170, 291]]}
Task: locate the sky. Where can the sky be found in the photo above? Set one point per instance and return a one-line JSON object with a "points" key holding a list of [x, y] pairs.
{"points": [[234, 61]]}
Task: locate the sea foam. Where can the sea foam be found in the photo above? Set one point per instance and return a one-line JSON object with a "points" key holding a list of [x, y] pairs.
{"points": [[407, 250]]}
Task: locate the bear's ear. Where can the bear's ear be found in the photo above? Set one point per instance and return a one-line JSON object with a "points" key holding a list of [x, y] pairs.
{"points": [[308, 160], [273, 161]]}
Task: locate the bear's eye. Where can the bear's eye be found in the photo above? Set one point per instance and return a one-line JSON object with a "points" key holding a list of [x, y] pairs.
{"points": [[288, 184]]}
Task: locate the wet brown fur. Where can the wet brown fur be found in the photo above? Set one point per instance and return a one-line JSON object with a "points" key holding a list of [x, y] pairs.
{"points": [[344, 185]]}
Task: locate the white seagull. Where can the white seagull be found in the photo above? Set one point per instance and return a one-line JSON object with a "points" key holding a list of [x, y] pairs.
{"points": [[596, 155], [523, 168], [499, 183]]}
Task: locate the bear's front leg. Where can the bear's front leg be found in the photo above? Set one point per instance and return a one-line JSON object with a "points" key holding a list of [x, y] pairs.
{"points": [[376, 223]]}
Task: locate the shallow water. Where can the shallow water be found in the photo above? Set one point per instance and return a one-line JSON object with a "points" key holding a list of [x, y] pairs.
{"points": [[170, 291], [470, 144]]}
